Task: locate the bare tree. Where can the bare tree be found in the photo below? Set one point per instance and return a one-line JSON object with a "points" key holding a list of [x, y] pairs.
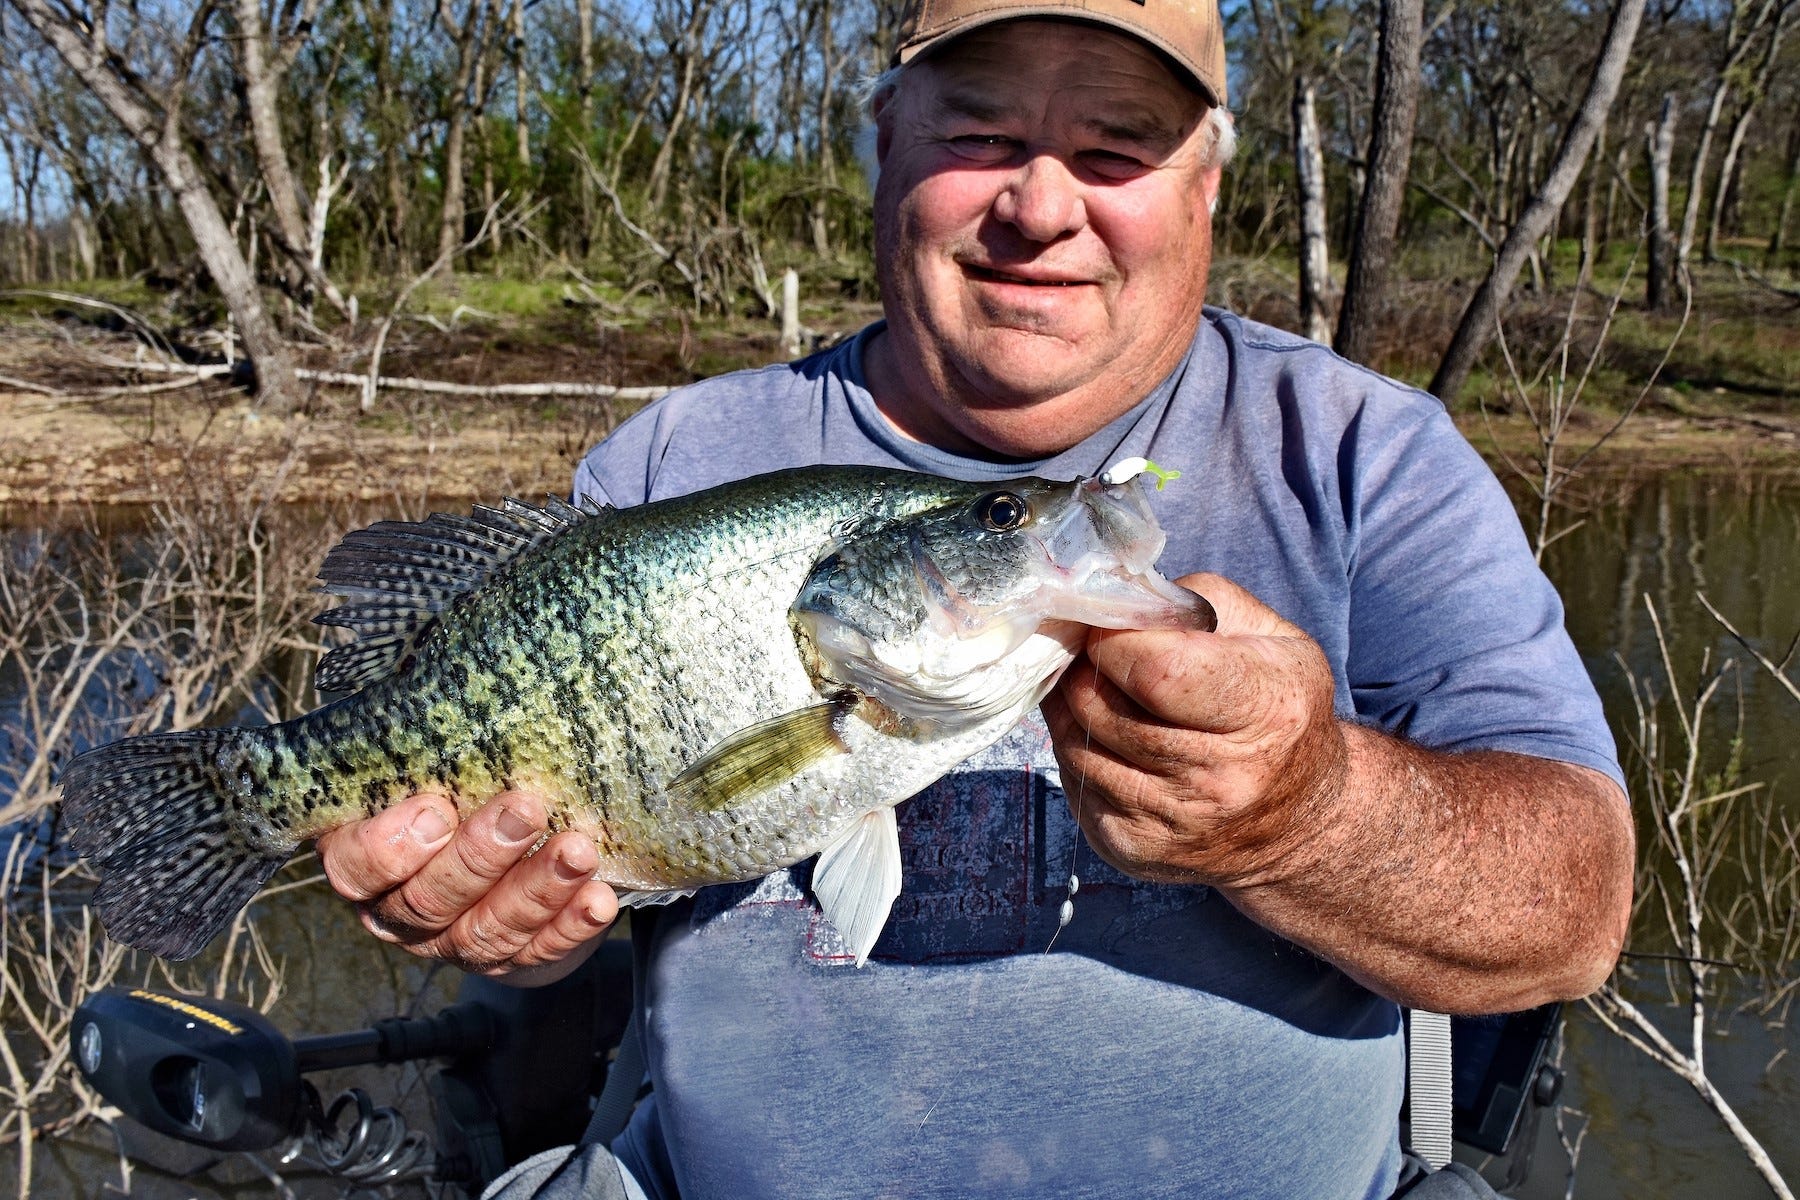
{"points": [[1659, 144], [693, 43], [1384, 186], [1294, 39], [1753, 96], [395, 215], [832, 61], [150, 109], [521, 85], [264, 51], [1745, 22], [1701, 835], [1477, 323], [1790, 189], [470, 35], [1315, 251]]}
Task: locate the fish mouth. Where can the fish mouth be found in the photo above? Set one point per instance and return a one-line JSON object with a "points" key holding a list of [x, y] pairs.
{"points": [[1101, 554]]}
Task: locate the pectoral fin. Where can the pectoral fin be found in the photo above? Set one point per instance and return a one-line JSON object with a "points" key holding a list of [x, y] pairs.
{"points": [[767, 753], [857, 878]]}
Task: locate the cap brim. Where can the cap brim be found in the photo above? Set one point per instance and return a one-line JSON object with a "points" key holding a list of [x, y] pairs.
{"points": [[1187, 69]]}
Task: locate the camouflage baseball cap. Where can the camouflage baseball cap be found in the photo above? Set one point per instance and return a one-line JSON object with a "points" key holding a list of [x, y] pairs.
{"points": [[1188, 31]]}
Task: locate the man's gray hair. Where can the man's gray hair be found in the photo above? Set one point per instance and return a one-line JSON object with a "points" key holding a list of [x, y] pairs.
{"points": [[880, 89]]}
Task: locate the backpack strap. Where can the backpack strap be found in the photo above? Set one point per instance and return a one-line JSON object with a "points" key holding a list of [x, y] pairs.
{"points": [[1428, 1083], [612, 1111], [619, 1096]]}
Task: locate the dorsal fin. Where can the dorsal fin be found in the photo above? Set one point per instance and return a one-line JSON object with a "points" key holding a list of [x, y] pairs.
{"points": [[398, 575]]}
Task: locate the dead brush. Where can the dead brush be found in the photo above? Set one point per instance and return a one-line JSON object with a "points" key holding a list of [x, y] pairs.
{"points": [[108, 628]]}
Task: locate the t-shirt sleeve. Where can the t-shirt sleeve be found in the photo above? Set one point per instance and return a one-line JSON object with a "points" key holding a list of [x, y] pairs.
{"points": [[1456, 636], [622, 469]]}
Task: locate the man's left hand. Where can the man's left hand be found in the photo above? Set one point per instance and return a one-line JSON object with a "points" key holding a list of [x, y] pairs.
{"points": [[1480, 881], [1200, 757]]}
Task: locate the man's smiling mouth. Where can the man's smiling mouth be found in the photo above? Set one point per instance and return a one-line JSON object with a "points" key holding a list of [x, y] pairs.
{"points": [[995, 275]]}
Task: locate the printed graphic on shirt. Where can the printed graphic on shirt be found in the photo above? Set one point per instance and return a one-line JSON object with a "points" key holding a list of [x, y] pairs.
{"points": [[986, 854]]}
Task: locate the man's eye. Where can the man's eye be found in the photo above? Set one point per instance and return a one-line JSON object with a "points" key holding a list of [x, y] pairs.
{"points": [[1110, 164], [982, 147]]}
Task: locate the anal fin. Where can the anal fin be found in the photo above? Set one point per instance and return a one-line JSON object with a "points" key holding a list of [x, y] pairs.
{"points": [[767, 753], [857, 878], [652, 899]]}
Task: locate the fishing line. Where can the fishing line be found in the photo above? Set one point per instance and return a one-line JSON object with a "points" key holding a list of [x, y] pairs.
{"points": [[1117, 475], [1067, 912]]}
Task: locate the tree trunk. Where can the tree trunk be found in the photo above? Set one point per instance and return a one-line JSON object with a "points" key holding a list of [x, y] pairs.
{"points": [[1778, 239], [123, 97], [828, 72], [1590, 211], [1477, 324], [1384, 186], [1740, 126], [1737, 43], [1315, 256], [584, 89], [27, 184], [469, 39], [1659, 144], [521, 92], [86, 257], [396, 221], [665, 154], [263, 346], [1727, 181], [262, 100]]}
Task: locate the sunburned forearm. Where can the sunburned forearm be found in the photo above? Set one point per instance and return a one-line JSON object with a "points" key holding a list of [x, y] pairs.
{"points": [[1480, 882]]}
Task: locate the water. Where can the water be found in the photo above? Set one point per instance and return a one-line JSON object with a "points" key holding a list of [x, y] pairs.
{"points": [[1647, 1134], [1665, 542]]}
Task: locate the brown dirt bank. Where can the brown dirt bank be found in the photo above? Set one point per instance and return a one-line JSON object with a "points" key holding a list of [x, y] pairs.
{"points": [[84, 446]]}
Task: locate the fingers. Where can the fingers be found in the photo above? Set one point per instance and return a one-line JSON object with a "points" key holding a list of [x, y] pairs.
{"points": [[486, 846], [541, 909], [576, 927], [369, 858], [1194, 752], [478, 896]]}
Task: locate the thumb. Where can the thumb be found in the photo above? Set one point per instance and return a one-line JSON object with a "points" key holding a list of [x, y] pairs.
{"points": [[1241, 614]]}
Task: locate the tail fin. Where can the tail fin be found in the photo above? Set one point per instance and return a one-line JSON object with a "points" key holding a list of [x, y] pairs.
{"points": [[152, 815]]}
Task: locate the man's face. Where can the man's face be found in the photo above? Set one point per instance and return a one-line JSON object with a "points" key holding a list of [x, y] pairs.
{"points": [[1042, 235]]}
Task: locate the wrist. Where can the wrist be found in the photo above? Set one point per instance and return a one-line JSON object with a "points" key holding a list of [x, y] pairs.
{"points": [[1291, 832]]}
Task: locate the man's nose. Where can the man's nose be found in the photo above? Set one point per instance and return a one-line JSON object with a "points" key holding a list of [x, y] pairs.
{"points": [[1043, 199]]}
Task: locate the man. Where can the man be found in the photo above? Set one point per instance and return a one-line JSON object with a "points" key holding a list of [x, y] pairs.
{"points": [[1385, 778]]}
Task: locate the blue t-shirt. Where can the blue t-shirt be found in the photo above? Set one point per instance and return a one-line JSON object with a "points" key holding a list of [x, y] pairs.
{"points": [[1167, 1046]]}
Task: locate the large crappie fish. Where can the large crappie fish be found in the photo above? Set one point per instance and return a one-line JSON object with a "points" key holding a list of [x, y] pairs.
{"points": [[712, 687]]}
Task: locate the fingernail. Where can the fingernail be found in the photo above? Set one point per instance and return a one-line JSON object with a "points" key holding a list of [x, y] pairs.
{"points": [[593, 917], [569, 872], [514, 828], [429, 827], [376, 926]]}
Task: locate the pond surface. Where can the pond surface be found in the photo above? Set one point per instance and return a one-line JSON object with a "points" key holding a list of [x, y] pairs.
{"points": [[1647, 1135], [1665, 542]]}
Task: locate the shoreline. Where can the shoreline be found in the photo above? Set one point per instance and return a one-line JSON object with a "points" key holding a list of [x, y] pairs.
{"points": [[98, 444], [131, 451]]}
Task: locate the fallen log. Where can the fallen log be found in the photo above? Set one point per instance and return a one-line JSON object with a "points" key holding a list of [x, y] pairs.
{"points": [[405, 383]]}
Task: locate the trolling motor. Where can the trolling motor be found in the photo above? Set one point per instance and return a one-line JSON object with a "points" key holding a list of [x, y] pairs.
{"points": [[523, 1066]]}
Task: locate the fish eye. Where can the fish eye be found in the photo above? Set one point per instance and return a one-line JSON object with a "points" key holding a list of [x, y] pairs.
{"points": [[1002, 511]]}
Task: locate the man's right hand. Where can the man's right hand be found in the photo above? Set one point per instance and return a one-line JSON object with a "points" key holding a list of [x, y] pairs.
{"points": [[471, 892]]}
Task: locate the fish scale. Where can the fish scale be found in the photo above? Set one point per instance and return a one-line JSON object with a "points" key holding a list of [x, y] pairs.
{"points": [[690, 683]]}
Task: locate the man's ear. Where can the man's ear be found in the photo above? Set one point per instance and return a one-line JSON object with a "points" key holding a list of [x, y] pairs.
{"points": [[1209, 187]]}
